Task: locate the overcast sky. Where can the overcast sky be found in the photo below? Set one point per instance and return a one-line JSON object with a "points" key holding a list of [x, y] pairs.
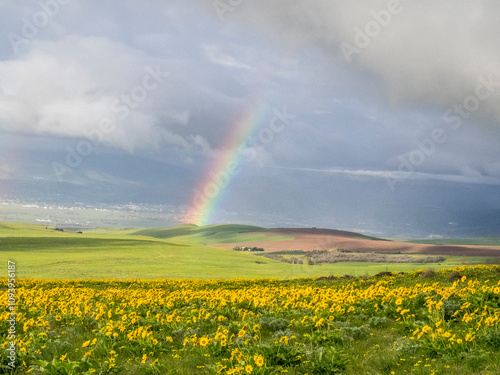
{"points": [[393, 105]]}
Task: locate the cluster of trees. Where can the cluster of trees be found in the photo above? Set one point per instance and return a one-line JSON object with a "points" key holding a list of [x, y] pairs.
{"points": [[246, 248], [325, 256], [291, 260]]}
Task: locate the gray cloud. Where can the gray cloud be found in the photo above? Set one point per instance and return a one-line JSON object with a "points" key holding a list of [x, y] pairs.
{"points": [[429, 52], [469, 176], [353, 119], [69, 86]]}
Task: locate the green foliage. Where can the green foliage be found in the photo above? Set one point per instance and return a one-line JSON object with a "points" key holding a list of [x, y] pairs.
{"points": [[323, 338], [379, 322], [329, 361], [474, 359], [119, 253], [280, 355], [177, 252], [356, 333], [56, 367], [428, 274], [490, 338], [450, 307], [273, 324], [315, 334]]}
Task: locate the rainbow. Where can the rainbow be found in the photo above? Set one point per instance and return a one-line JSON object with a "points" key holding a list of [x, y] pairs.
{"points": [[212, 187]]}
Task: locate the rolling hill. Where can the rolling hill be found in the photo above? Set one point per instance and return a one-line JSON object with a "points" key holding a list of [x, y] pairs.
{"points": [[190, 251]]}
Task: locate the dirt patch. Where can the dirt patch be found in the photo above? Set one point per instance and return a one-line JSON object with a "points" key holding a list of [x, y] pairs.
{"points": [[326, 241], [323, 232]]}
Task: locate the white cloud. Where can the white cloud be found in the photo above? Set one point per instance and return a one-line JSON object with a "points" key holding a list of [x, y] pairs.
{"points": [[468, 177], [216, 55], [68, 87], [106, 178]]}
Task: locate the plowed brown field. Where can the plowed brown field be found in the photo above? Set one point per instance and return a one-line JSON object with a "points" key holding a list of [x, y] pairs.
{"points": [[324, 239]]}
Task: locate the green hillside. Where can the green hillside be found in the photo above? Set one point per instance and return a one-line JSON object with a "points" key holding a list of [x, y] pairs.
{"points": [[224, 233], [42, 252], [46, 253]]}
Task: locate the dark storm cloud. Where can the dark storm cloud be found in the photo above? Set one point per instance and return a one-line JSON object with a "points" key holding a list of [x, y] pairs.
{"points": [[368, 82]]}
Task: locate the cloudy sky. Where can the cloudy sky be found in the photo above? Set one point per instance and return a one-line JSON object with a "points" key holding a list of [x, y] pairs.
{"points": [[369, 115]]}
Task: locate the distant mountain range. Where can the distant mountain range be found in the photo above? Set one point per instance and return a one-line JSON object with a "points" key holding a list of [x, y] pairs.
{"points": [[268, 197]]}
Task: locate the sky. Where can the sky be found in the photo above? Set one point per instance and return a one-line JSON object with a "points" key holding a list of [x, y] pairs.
{"points": [[376, 116]]}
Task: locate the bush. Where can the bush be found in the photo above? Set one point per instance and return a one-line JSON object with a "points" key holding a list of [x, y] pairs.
{"points": [[279, 334], [454, 276], [450, 307], [273, 324], [329, 361], [428, 274], [356, 333], [328, 338], [280, 355], [405, 346], [326, 256]]}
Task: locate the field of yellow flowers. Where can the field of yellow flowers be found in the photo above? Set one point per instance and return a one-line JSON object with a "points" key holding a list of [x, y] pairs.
{"points": [[425, 322]]}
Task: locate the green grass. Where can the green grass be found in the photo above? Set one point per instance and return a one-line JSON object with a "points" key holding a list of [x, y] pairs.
{"points": [[191, 229], [127, 258], [36, 230], [128, 253], [228, 233], [419, 323]]}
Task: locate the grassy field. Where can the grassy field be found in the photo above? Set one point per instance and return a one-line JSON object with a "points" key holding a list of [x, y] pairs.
{"points": [[444, 322], [133, 301], [164, 253], [227, 233]]}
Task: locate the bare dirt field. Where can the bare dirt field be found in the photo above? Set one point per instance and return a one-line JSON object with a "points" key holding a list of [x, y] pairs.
{"points": [[325, 239]]}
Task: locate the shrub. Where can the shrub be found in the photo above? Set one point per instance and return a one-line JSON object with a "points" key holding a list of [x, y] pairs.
{"points": [[429, 274], [328, 338], [336, 256], [329, 361], [454, 276], [405, 346], [279, 334], [280, 355], [419, 300], [356, 333], [449, 307], [273, 324]]}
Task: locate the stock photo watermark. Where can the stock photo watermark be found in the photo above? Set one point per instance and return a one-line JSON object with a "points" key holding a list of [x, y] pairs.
{"points": [[220, 179], [12, 314], [455, 116], [222, 7], [31, 26], [121, 107], [363, 36]]}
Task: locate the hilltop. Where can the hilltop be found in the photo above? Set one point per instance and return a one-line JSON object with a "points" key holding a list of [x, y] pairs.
{"points": [[190, 251], [308, 239]]}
